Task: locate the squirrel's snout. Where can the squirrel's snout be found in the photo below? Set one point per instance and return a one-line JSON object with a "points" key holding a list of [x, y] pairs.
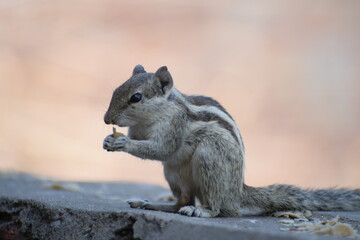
{"points": [[107, 119]]}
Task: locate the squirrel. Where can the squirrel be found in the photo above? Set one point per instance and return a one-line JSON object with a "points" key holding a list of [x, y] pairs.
{"points": [[202, 152]]}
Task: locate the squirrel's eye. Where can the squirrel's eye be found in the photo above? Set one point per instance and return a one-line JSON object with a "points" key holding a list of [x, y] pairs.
{"points": [[135, 98]]}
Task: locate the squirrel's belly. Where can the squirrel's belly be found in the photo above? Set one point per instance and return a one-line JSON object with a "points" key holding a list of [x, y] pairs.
{"points": [[179, 177]]}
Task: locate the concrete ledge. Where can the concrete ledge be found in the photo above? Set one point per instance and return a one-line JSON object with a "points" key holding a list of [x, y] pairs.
{"points": [[39, 208]]}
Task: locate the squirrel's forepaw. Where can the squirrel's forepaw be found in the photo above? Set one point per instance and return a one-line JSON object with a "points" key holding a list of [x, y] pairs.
{"points": [[195, 212], [137, 203], [120, 143], [111, 144], [108, 142]]}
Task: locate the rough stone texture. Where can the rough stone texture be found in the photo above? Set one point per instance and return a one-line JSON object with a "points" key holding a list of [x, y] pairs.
{"points": [[35, 208]]}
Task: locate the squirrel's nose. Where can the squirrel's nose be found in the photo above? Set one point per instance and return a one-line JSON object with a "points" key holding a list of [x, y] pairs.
{"points": [[107, 119]]}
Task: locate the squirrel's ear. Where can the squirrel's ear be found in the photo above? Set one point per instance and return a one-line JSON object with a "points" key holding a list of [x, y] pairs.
{"points": [[138, 69], [163, 79]]}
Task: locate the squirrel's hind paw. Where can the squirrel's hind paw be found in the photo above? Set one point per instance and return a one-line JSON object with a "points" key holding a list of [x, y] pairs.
{"points": [[197, 212], [137, 203]]}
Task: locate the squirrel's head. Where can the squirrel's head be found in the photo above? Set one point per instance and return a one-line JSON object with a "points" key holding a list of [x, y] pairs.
{"points": [[137, 99]]}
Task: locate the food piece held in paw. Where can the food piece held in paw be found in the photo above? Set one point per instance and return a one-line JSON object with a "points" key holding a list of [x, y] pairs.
{"points": [[117, 134]]}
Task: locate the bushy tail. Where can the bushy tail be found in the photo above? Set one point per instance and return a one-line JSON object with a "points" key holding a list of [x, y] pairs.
{"points": [[287, 197]]}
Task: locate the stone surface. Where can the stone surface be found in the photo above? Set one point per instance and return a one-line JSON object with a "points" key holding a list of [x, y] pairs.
{"points": [[40, 208]]}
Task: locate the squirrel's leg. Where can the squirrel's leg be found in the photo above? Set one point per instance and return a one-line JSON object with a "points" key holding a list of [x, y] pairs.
{"points": [[146, 149], [143, 204], [205, 184], [217, 174], [184, 200]]}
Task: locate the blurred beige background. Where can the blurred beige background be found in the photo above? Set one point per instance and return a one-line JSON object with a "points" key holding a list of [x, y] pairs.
{"points": [[288, 72]]}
